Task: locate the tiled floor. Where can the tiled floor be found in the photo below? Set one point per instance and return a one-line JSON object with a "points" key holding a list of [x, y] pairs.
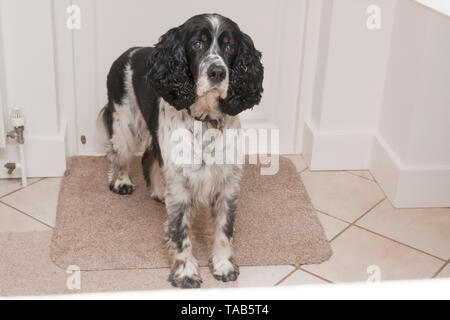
{"points": [[371, 240]]}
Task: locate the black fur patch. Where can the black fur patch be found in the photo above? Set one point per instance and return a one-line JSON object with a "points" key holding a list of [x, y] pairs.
{"points": [[107, 118], [228, 229], [116, 88], [246, 79], [177, 231], [185, 283], [151, 154], [116, 77], [146, 162], [124, 189], [147, 99]]}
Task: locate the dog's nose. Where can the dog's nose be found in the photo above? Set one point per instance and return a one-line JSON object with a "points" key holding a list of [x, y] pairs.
{"points": [[216, 73]]}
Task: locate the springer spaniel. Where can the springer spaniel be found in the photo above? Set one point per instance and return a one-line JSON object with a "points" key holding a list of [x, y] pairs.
{"points": [[200, 74]]}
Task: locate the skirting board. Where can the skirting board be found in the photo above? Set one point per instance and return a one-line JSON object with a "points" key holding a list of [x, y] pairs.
{"points": [[45, 156], [409, 186], [332, 150]]}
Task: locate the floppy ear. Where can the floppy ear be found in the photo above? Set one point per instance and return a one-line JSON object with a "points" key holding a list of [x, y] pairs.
{"points": [[169, 72], [246, 78]]}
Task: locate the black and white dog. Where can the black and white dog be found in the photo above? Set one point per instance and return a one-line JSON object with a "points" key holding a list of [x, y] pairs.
{"points": [[204, 72]]}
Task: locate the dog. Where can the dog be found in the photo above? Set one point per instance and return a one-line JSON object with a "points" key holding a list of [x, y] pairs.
{"points": [[205, 73]]}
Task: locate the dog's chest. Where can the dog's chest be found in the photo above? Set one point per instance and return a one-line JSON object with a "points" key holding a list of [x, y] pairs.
{"points": [[192, 149]]}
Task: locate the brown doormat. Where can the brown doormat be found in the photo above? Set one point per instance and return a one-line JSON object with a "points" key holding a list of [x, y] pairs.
{"points": [[98, 230]]}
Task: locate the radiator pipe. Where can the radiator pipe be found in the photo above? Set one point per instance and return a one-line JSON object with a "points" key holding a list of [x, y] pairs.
{"points": [[17, 134]]}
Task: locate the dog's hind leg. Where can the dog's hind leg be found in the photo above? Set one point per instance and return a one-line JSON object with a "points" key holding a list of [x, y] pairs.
{"points": [[120, 148], [119, 179]]}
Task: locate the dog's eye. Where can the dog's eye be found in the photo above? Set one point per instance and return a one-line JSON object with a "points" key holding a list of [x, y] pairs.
{"points": [[198, 45], [228, 48]]}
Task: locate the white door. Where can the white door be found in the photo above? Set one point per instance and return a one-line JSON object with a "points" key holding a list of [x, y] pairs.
{"points": [[109, 27], [2, 124]]}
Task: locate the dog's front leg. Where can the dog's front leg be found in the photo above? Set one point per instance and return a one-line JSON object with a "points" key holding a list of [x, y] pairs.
{"points": [[184, 266], [222, 264]]}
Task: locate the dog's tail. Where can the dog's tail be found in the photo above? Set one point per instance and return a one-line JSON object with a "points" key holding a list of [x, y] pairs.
{"points": [[104, 124]]}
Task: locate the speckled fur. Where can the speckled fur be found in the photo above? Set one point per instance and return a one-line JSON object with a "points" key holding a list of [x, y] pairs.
{"points": [[152, 93]]}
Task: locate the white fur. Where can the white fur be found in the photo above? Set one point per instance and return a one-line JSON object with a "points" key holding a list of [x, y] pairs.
{"points": [[203, 180], [188, 269], [212, 57]]}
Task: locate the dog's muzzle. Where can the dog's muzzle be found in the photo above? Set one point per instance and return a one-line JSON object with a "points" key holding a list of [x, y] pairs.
{"points": [[216, 73]]}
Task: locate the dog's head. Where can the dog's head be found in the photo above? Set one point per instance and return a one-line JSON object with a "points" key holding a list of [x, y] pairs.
{"points": [[208, 66]]}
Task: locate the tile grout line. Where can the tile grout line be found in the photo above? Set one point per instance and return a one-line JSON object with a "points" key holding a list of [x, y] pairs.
{"points": [[327, 214], [340, 233], [26, 214], [357, 175], [362, 216], [441, 269], [331, 216], [301, 172], [368, 211], [315, 275], [354, 224], [285, 277], [400, 243], [287, 156], [302, 270], [22, 188]]}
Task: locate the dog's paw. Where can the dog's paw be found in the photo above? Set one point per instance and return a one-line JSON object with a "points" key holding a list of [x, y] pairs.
{"points": [[122, 188], [225, 270], [158, 199], [185, 282], [185, 275]]}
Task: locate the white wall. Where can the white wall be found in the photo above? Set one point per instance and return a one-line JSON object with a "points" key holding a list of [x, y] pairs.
{"points": [[345, 101], [413, 137], [380, 99], [3, 109], [441, 6]]}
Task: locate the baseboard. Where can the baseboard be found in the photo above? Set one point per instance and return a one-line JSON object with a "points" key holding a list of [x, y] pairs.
{"points": [[409, 186], [45, 156], [333, 150]]}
